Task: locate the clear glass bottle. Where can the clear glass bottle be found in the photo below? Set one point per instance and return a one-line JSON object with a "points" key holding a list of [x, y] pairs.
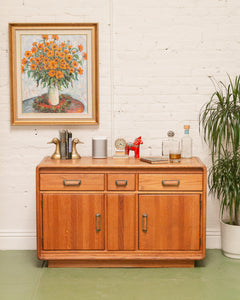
{"points": [[171, 148], [166, 143], [186, 143]]}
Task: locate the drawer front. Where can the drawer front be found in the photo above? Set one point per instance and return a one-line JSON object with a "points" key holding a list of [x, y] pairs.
{"points": [[172, 182], [121, 182], [73, 182]]}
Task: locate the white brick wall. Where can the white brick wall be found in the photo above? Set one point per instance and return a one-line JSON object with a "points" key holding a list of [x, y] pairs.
{"points": [[154, 61]]}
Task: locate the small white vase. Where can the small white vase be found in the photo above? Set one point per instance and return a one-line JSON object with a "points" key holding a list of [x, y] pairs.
{"points": [[53, 95], [230, 240]]}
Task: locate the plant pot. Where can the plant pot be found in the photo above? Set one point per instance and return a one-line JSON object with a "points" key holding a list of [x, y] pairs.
{"points": [[53, 95], [230, 240]]}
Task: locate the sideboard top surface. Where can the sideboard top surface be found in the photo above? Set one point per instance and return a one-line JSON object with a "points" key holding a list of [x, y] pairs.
{"points": [[113, 163]]}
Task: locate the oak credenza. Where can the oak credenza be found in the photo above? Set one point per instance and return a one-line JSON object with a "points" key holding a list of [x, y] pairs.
{"points": [[120, 212]]}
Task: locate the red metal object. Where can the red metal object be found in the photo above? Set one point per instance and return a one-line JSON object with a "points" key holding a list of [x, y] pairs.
{"points": [[135, 146]]}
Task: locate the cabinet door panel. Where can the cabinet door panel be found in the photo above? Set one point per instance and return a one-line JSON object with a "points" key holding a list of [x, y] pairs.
{"points": [[72, 221], [121, 222], [169, 222]]}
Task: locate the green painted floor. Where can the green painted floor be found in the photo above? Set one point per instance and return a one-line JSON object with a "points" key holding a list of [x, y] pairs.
{"points": [[23, 277]]}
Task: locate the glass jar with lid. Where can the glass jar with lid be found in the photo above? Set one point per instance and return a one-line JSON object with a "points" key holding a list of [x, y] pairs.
{"points": [[171, 148]]}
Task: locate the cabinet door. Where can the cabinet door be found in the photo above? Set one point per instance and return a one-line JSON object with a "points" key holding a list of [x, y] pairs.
{"points": [[73, 221], [169, 222], [121, 222]]}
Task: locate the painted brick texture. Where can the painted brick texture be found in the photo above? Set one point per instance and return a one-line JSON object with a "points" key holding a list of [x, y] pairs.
{"points": [[155, 58]]}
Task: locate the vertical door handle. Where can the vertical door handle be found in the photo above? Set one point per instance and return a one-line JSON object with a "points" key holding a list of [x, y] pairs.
{"points": [[144, 222], [98, 221]]}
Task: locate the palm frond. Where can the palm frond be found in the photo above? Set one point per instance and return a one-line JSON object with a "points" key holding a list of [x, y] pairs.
{"points": [[219, 121]]}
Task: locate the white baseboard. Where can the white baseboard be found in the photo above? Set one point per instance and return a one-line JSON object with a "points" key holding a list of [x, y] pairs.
{"points": [[21, 240], [213, 239], [17, 240]]}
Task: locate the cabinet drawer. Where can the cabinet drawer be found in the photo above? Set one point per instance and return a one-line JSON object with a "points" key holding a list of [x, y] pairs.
{"points": [[173, 182], [78, 182], [121, 182]]}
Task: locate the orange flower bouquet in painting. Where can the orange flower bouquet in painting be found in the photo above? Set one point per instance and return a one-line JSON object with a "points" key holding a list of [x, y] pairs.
{"points": [[53, 64]]}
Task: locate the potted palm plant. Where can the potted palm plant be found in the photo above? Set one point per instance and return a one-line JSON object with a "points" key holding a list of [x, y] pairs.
{"points": [[220, 124]]}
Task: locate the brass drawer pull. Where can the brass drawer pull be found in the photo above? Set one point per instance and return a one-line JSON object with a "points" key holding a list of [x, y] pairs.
{"points": [[71, 182], [98, 223], [170, 182], [121, 182], [144, 217]]}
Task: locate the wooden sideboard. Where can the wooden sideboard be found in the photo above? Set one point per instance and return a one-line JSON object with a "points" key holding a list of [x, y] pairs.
{"points": [[120, 213]]}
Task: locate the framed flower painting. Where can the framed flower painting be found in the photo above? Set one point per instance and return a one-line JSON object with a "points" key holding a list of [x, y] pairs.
{"points": [[54, 74]]}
